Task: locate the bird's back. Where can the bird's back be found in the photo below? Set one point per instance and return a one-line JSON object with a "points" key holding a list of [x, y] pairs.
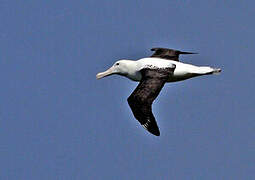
{"points": [[182, 71]]}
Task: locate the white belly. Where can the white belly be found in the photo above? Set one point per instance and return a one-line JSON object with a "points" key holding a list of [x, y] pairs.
{"points": [[182, 71]]}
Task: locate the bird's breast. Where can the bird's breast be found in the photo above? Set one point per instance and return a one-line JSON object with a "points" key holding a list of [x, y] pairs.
{"points": [[135, 76]]}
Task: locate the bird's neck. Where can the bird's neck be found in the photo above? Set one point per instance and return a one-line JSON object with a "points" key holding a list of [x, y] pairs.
{"points": [[132, 70]]}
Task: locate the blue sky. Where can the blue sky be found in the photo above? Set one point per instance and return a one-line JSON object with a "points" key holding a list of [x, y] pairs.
{"points": [[59, 122]]}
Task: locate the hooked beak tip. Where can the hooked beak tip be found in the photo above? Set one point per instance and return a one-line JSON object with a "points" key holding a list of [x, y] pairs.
{"points": [[104, 74], [99, 76]]}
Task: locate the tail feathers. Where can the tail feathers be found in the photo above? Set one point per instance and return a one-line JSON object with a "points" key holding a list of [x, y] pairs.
{"points": [[208, 70], [216, 71]]}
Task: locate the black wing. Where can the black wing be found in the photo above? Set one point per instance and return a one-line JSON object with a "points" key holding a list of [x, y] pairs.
{"points": [[140, 101], [165, 53]]}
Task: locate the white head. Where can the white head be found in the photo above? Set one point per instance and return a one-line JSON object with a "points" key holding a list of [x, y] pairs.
{"points": [[121, 67]]}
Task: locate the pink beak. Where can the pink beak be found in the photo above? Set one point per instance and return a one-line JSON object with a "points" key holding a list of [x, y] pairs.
{"points": [[108, 72]]}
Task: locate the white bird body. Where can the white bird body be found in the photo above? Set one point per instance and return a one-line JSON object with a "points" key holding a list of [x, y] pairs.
{"points": [[131, 69]]}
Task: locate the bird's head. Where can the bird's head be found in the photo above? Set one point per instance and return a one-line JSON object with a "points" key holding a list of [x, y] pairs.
{"points": [[121, 67]]}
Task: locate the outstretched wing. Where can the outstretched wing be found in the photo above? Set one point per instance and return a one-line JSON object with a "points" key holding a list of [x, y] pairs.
{"points": [[140, 101], [170, 54]]}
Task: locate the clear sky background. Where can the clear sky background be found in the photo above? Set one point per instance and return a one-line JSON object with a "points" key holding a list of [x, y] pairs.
{"points": [[58, 122]]}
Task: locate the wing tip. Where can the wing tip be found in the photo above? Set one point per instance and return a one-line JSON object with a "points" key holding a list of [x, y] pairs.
{"points": [[156, 133], [184, 52], [153, 130]]}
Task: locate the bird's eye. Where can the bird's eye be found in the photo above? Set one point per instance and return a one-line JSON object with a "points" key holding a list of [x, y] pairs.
{"points": [[117, 64]]}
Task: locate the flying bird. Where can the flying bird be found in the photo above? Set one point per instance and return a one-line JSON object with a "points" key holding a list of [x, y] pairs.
{"points": [[152, 73]]}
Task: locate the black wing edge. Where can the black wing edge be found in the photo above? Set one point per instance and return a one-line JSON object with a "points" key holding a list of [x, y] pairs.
{"points": [[171, 54], [139, 112]]}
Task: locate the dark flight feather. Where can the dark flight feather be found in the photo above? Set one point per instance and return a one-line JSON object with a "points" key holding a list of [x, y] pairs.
{"points": [[140, 101], [170, 54]]}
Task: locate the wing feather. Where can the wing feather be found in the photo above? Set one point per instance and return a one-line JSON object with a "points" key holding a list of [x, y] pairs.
{"points": [[140, 101], [170, 54]]}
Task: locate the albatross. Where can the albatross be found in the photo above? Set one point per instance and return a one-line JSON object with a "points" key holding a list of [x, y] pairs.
{"points": [[163, 66]]}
